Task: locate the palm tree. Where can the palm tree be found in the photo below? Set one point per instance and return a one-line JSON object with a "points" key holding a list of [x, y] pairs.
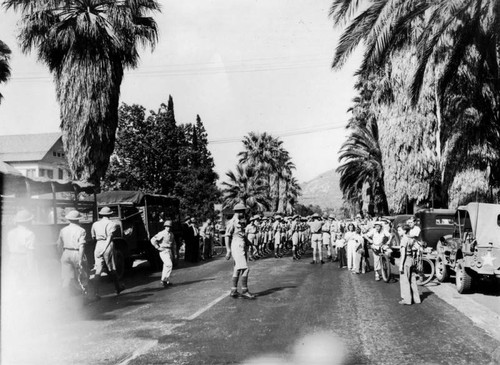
{"points": [[291, 192], [457, 26], [246, 186], [4, 64], [86, 45], [361, 160]]}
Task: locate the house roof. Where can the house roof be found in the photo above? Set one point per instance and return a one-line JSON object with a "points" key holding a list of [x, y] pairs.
{"points": [[26, 147]]}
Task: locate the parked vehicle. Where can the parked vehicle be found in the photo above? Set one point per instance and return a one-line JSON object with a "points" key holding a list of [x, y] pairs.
{"points": [[473, 250], [434, 224], [139, 217]]}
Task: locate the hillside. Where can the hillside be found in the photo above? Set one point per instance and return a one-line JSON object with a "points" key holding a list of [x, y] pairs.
{"points": [[323, 190]]}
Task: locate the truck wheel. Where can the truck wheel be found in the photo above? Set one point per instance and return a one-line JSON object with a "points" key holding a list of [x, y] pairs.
{"points": [[386, 268], [427, 272], [463, 280], [442, 272]]}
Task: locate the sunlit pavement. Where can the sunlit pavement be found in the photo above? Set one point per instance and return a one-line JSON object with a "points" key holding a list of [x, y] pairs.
{"points": [[196, 322]]}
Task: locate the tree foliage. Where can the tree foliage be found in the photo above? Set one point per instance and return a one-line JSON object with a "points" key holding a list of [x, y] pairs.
{"points": [[155, 155], [86, 46], [4, 64]]}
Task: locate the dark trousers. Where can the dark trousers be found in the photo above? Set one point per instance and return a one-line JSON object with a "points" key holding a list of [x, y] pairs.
{"points": [[342, 257]]}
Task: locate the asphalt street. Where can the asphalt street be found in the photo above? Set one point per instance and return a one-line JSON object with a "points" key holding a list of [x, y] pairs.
{"points": [[303, 313]]}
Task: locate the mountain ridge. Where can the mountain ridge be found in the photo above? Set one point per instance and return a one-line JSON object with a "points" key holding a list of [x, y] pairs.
{"points": [[323, 190]]}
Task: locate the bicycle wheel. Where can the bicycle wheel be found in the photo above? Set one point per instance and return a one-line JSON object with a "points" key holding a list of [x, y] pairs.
{"points": [[386, 268], [426, 273]]}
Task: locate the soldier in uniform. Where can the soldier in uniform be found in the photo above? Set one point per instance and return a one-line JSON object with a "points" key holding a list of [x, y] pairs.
{"points": [[103, 232], [316, 238], [164, 241], [251, 235], [21, 263], [206, 238], [325, 229], [294, 233], [236, 247], [277, 236], [71, 244]]}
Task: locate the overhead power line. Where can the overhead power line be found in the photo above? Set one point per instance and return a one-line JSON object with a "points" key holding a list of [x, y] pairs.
{"points": [[288, 133]]}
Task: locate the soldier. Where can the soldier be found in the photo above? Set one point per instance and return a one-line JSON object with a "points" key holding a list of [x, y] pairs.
{"points": [[21, 263], [71, 244], [294, 233], [316, 238], [407, 267], [377, 237], [325, 229], [237, 249], [206, 238], [334, 230], [103, 232], [164, 241], [277, 236], [251, 235]]}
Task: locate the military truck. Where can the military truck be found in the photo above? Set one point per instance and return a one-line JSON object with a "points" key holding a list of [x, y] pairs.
{"points": [[473, 250], [139, 217]]}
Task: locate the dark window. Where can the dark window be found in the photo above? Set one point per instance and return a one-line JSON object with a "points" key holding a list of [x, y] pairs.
{"points": [[61, 174], [54, 153], [41, 172], [50, 174]]}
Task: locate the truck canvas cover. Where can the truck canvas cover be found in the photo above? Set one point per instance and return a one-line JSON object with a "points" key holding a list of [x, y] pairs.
{"points": [[484, 221], [137, 198]]}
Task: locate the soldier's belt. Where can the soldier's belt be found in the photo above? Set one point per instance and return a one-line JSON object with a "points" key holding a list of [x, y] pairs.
{"points": [[71, 249]]}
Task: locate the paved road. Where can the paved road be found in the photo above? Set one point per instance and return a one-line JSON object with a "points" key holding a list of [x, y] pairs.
{"points": [[195, 322]]}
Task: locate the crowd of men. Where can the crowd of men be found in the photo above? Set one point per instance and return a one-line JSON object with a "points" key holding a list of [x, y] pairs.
{"points": [[347, 242]]}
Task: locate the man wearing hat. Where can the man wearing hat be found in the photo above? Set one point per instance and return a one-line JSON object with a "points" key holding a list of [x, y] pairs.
{"points": [[191, 240], [316, 237], [21, 263], [237, 249], [277, 229], [327, 242], [251, 235], [164, 242], [71, 244], [103, 231], [294, 233], [377, 237]]}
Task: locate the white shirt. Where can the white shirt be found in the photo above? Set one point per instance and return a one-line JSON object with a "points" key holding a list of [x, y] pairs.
{"points": [[378, 237], [414, 232]]}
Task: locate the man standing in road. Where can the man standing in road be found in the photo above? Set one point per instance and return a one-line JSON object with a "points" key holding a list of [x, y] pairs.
{"points": [[191, 240], [325, 229], [206, 238], [377, 237], [103, 232], [236, 247], [316, 238], [71, 244], [164, 241]]}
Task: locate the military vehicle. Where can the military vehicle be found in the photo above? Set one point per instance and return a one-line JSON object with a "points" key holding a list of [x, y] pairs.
{"points": [[473, 250]]}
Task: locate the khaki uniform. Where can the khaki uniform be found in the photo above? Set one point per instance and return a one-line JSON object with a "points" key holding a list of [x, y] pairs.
{"points": [[165, 243], [72, 239], [236, 231], [316, 236], [104, 256]]}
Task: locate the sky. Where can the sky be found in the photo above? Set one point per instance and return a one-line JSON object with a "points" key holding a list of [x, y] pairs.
{"points": [[242, 65]]}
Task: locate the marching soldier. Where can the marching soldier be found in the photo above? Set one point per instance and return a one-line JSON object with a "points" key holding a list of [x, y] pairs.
{"points": [[237, 249], [71, 244], [103, 232], [164, 241]]}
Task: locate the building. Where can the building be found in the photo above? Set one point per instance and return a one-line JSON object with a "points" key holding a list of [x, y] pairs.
{"points": [[35, 155]]}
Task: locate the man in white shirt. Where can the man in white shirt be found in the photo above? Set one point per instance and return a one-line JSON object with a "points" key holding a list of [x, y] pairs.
{"points": [[377, 237], [414, 229]]}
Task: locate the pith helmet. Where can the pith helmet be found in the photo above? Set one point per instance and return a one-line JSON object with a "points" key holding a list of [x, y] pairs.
{"points": [[167, 223], [239, 207], [315, 216], [23, 216], [74, 215], [105, 211]]}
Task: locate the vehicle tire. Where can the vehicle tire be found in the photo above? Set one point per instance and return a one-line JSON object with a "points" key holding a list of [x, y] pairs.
{"points": [[385, 268], [120, 263], [463, 280], [442, 270], [427, 273]]}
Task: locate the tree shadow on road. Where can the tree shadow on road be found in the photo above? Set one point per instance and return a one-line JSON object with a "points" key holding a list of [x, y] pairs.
{"points": [[274, 290], [425, 295]]}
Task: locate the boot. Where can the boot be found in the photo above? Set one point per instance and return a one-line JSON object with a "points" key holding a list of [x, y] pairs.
{"points": [[234, 289], [244, 289]]}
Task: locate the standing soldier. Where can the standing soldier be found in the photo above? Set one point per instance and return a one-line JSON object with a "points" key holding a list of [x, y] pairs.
{"points": [[71, 243], [325, 229], [164, 241], [237, 249], [21, 264], [103, 232], [251, 235], [316, 237], [277, 236], [294, 233], [206, 237]]}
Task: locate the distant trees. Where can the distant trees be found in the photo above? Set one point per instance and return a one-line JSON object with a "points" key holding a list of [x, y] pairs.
{"points": [[435, 99], [155, 155], [265, 169], [86, 46], [4, 64]]}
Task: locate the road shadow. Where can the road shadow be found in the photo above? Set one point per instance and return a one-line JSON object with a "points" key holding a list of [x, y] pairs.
{"points": [[425, 295], [274, 290]]}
